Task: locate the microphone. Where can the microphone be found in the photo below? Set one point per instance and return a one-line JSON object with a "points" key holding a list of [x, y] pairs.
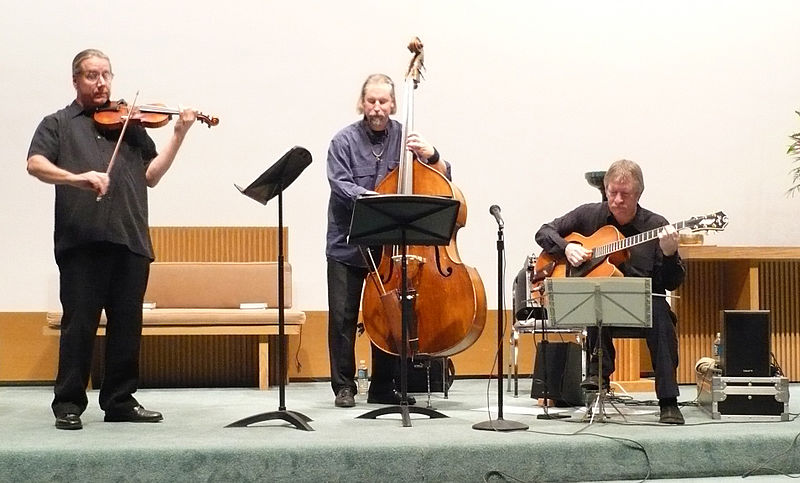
{"points": [[494, 210]]}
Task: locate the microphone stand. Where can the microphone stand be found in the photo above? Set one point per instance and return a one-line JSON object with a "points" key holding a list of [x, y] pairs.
{"points": [[499, 424]]}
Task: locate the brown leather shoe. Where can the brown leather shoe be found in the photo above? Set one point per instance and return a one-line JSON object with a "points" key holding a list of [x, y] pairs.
{"points": [[671, 415]]}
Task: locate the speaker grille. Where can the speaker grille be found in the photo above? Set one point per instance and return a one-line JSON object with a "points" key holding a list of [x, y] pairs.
{"points": [[745, 343]]}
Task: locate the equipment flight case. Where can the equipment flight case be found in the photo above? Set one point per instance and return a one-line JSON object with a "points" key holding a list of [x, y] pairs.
{"points": [[758, 398]]}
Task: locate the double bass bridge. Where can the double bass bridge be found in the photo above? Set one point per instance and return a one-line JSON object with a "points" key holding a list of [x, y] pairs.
{"points": [[414, 264]]}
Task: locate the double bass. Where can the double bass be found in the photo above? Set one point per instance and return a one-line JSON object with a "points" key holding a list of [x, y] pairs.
{"points": [[449, 300]]}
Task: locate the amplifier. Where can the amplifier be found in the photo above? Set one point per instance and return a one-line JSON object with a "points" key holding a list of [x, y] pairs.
{"points": [[557, 373]]}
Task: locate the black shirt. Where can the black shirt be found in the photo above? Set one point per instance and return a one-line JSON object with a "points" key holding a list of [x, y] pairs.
{"points": [[69, 139]]}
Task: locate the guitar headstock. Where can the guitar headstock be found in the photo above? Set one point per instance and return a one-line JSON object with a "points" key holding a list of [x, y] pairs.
{"points": [[711, 222]]}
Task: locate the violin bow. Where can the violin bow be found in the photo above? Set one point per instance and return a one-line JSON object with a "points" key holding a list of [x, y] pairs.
{"points": [[119, 141]]}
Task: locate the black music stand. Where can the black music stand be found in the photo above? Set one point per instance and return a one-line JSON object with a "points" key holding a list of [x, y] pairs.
{"points": [[600, 301], [271, 183], [404, 220]]}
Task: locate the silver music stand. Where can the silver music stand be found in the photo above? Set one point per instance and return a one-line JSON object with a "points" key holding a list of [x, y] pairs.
{"points": [[600, 301]]}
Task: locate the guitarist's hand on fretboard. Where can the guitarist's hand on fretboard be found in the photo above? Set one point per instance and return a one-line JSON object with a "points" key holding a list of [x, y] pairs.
{"points": [[576, 254], [668, 240]]}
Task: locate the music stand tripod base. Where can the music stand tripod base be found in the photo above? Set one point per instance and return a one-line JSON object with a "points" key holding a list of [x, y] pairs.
{"points": [[597, 407], [500, 425], [298, 420], [405, 413]]}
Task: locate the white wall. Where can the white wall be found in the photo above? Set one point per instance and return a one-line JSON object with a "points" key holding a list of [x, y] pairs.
{"points": [[522, 97]]}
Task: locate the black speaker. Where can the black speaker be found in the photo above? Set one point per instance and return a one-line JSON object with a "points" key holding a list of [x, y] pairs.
{"points": [[558, 364], [745, 343]]}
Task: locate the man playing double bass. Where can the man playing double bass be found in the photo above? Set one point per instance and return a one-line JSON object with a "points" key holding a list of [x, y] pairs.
{"points": [[359, 157], [658, 260]]}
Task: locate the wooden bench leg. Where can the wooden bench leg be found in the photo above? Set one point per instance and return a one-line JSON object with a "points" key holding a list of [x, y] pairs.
{"points": [[263, 362]]}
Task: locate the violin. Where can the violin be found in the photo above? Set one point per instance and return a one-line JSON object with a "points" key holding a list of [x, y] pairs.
{"points": [[112, 117], [117, 116]]}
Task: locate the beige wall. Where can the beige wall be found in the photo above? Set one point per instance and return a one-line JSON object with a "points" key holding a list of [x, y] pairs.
{"points": [[522, 96]]}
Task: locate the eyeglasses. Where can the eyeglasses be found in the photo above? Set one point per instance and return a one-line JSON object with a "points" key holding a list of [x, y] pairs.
{"points": [[93, 75]]}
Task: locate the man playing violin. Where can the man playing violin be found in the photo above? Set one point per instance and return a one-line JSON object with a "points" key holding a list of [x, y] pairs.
{"points": [[359, 157], [658, 260], [102, 241]]}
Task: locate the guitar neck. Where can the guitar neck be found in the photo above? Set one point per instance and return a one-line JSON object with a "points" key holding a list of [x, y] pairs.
{"points": [[625, 243]]}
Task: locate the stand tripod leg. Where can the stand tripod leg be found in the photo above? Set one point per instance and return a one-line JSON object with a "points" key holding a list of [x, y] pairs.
{"points": [[404, 410], [597, 407], [298, 420], [427, 365]]}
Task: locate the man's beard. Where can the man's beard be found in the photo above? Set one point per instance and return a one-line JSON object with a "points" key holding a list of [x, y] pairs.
{"points": [[377, 123]]}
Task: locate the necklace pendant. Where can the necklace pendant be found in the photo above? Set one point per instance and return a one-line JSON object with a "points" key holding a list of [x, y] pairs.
{"points": [[378, 154]]}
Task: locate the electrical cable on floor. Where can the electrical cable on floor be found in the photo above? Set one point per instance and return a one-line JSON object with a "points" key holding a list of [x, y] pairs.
{"points": [[773, 457], [630, 443], [501, 475], [297, 364]]}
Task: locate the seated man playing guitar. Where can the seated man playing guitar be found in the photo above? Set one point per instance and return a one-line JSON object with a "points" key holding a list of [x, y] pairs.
{"points": [[565, 239]]}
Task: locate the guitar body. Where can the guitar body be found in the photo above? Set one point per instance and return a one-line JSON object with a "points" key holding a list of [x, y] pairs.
{"points": [[550, 266]]}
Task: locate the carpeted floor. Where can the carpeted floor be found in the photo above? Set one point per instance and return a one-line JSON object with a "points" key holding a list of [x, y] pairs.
{"points": [[193, 444]]}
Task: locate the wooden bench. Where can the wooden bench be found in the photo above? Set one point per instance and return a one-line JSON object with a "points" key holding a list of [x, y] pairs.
{"points": [[205, 299]]}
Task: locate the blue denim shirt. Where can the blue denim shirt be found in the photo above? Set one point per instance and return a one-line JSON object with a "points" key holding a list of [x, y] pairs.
{"points": [[353, 169], [357, 162]]}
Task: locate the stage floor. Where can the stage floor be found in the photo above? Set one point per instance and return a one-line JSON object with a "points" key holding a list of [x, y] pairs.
{"points": [[193, 444]]}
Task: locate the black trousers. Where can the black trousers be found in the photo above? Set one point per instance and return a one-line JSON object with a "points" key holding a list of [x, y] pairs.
{"points": [[662, 342], [345, 286], [95, 277]]}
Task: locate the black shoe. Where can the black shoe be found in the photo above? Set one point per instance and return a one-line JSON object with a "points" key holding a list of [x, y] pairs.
{"points": [[69, 421], [393, 397], [590, 383], [670, 415], [136, 414], [345, 398]]}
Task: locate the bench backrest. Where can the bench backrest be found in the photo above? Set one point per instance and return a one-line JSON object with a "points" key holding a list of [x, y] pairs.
{"points": [[216, 284]]}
